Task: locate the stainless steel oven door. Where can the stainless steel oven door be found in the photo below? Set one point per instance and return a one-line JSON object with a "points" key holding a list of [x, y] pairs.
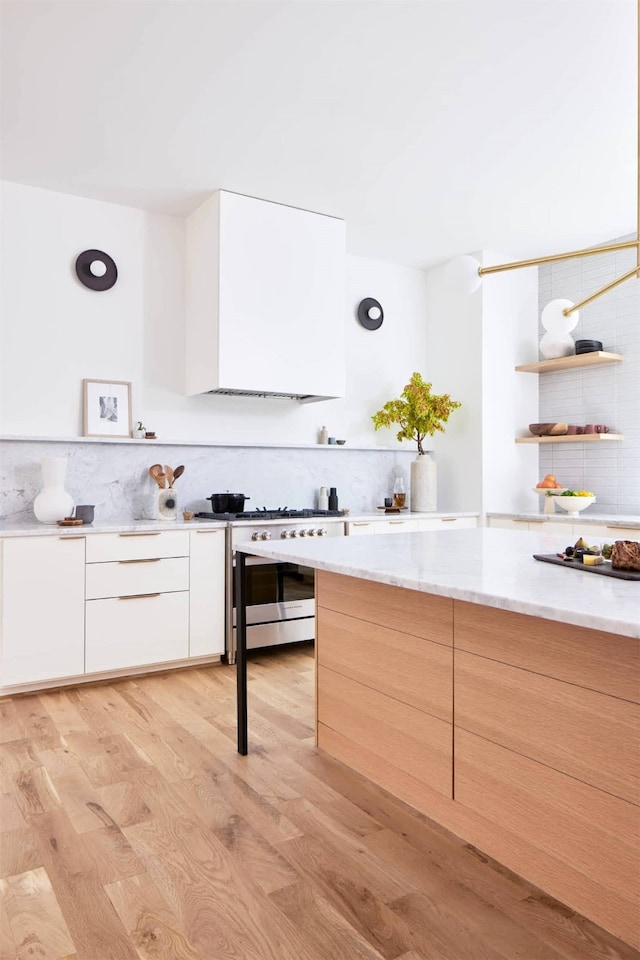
{"points": [[280, 602]]}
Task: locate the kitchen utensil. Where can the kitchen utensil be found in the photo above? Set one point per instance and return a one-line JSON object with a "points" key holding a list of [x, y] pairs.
{"points": [[227, 502], [169, 474], [178, 472], [157, 473]]}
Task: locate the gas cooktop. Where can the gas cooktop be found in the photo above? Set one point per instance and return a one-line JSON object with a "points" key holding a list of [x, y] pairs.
{"points": [[282, 513]]}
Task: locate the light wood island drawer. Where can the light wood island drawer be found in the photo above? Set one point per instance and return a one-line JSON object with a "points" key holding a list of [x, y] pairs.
{"points": [[585, 844], [124, 578], [407, 668], [136, 630], [561, 725], [588, 658], [420, 614], [104, 547], [402, 737]]}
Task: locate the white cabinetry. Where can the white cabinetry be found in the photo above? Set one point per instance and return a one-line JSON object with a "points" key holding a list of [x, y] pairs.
{"points": [[356, 528], [77, 606], [261, 273], [42, 613], [595, 531], [206, 594]]}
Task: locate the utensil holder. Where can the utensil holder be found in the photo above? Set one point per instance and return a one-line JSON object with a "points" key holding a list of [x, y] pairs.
{"points": [[167, 505]]}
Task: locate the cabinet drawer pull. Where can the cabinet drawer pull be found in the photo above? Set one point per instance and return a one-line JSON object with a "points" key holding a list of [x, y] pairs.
{"points": [[150, 560], [140, 596], [155, 533], [532, 520], [70, 538], [524, 520], [221, 530], [448, 519], [397, 521], [362, 524]]}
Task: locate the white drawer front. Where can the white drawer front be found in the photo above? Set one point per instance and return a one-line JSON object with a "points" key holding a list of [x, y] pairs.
{"points": [[136, 631], [396, 526], [449, 523], [358, 528], [102, 548], [125, 578]]}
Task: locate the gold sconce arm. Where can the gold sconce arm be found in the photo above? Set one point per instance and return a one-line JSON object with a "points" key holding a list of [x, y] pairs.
{"points": [[589, 252]]}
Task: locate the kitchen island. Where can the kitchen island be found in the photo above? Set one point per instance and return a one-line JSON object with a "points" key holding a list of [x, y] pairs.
{"points": [[493, 693]]}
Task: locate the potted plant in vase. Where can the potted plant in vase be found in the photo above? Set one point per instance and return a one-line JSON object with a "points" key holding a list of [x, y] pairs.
{"points": [[419, 413]]}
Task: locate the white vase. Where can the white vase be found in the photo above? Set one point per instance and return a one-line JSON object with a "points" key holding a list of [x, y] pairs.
{"points": [[423, 484], [53, 502]]}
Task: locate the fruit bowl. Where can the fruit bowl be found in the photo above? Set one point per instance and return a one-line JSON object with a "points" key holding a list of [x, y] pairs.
{"points": [[553, 491], [574, 504]]}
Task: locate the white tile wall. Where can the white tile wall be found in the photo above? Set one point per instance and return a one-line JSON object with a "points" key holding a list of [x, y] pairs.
{"points": [[609, 395]]}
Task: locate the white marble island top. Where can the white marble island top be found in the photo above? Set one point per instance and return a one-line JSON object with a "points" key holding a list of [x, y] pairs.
{"points": [[486, 565]]}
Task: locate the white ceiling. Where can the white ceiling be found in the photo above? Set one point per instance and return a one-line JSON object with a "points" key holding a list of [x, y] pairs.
{"points": [[433, 127]]}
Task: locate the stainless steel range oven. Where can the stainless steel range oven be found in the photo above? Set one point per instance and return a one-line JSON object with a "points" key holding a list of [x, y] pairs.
{"points": [[280, 596]]}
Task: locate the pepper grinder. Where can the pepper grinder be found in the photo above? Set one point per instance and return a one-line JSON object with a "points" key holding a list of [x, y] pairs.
{"points": [[323, 499], [333, 498]]}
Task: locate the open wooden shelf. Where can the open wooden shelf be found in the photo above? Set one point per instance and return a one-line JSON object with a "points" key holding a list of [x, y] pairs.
{"points": [[595, 359], [574, 438]]}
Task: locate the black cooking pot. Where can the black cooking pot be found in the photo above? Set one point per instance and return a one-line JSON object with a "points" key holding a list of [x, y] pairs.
{"points": [[227, 502]]}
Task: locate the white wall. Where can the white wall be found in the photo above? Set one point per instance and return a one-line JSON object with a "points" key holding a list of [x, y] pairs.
{"points": [[474, 343], [54, 332]]}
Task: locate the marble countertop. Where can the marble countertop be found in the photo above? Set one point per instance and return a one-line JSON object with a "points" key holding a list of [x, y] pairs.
{"points": [[33, 528], [610, 519], [485, 565]]}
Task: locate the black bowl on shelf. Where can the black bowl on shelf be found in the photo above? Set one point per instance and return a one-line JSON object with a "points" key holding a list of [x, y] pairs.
{"points": [[588, 346]]}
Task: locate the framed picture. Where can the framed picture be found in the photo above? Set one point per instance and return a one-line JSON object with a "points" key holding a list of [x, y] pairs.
{"points": [[107, 408]]}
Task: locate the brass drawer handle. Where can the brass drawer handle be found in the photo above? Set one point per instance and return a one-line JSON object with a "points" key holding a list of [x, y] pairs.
{"points": [[397, 521], [70, 538], [155, 533], [448, 519], [150, 560], [140, 596], [219, 530], [361, 524], [518, 520]]}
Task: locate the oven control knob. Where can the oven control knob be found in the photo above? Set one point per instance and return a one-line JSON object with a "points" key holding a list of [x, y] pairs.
{"points": [[322, 531], [255, 535], [294, 533], [311, 532], [302, 533], [265, 536], [285, 534]]}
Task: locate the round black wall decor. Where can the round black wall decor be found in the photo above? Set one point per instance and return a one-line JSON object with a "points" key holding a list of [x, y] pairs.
{"points": [[370, 313], [96, 269]]}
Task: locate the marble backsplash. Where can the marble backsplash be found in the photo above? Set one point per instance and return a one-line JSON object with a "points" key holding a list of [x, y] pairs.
{"points": [[115, 478]]}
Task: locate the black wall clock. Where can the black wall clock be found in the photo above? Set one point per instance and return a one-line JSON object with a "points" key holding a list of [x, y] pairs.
{"points": [[370, 313], [96, 269]]}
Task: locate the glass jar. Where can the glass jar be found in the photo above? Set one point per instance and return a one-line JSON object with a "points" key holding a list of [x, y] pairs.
{"points": [[399, 493]]}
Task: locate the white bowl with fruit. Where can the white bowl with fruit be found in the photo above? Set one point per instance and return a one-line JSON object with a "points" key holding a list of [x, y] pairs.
{"points": [[573, 501]]}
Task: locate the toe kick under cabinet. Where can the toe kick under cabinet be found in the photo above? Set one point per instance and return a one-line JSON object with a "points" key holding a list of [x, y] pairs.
{"points": [[109, 602]]}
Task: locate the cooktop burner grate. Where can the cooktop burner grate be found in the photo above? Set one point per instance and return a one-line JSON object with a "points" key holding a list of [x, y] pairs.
{"points": [[264, 514]]}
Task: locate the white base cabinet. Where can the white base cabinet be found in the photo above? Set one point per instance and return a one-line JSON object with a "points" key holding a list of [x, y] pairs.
{"points": [[206, 610], [76, 606], [590, 531], [42, 608], [408, 524]]}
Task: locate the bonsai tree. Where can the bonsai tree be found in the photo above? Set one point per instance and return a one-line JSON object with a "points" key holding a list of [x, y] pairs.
{"points": [[418, 411]]}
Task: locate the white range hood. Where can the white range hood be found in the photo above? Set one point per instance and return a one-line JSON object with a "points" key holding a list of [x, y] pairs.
{"points": [[265, 300]]}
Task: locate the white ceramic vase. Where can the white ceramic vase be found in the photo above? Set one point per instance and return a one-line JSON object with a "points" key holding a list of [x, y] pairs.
{"points": [[53, 503], [423, 484]]}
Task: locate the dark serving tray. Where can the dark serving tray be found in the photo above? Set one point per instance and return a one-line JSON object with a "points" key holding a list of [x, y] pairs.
{"points": [[603, 568]]}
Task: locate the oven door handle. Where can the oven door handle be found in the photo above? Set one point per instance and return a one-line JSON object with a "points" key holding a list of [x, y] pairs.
{"points": [[251, 561]]}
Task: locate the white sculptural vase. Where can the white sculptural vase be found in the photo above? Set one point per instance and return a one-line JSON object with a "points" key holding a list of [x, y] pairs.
{"points": [[53, 503], [423, 484]]}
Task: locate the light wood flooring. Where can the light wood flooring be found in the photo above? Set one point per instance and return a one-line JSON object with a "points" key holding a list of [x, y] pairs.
{"points": [[131, 828]]}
